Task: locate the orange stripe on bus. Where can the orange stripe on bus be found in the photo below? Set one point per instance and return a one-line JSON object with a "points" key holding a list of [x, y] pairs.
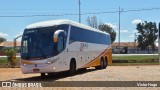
{"points": [[97, 59], [27, 62]]}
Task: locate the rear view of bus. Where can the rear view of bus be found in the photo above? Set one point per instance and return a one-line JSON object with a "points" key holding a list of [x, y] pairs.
{"points": [[63, 45]]}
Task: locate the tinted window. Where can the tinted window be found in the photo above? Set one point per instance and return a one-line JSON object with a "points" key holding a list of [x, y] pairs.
{"points": [[83, 35], [38, 42]]}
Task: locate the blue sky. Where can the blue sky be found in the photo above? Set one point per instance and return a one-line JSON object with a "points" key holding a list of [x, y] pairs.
{"points": [[13, 26]]}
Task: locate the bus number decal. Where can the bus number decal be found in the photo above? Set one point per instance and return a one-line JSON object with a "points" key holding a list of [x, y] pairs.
{"points": [[83, 46]]}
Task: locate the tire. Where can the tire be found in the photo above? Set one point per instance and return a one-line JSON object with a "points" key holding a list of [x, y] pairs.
{"points": [[83, 69], [72, 68], [49, 73], [42, 75], [101, 64], [105, 62]]}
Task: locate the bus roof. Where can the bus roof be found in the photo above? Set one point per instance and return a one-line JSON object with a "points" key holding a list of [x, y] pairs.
{"points": [[60, 22]]}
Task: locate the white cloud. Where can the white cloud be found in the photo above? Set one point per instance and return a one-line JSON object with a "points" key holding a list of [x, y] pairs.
{"points": [[135, 31], [117, 31], [112, 25], [124, 31], [136, 21], [131, 36], [4, 35]]}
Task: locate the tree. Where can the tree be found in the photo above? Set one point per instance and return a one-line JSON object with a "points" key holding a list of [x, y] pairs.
{"points": [[11, 56], [147, 34], [93, 22], [108, 29], [2, 39]]}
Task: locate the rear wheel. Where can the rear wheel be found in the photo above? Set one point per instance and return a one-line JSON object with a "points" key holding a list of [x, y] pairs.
{"points": [[42, 75], [83, 69], [105, 62], [101, 64], [72, 69]]}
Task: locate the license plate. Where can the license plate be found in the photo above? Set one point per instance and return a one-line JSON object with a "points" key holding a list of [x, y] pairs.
{"points": [[36, 70]]}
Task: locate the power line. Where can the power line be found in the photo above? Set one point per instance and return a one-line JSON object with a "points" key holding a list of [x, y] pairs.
{"points": [[40, 15], [74, 14], [133, 10], [147, 9]]}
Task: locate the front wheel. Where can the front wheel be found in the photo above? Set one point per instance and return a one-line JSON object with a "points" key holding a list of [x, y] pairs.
{"points": [[42, 75], [72, 69]]}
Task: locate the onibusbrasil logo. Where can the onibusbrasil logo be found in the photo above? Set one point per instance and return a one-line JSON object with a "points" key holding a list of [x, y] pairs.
{"points": [[21, 84]]}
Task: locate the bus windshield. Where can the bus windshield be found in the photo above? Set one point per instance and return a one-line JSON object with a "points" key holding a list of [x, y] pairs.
{"points": [[38, 43]]}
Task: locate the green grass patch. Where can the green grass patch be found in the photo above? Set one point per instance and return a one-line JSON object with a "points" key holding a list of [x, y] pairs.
{"points": [[119, 60], [135, 60], [144, 57], [3, 60]]}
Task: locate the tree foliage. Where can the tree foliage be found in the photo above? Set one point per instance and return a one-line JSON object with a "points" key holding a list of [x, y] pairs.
{"points": [[108, 29], [2, 39], [93, 22], [147, 34], [11, 56]]}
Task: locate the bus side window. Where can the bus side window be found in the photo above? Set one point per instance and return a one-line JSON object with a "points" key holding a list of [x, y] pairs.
{"points": [[60, 43], [71, 40], [72, 35]]}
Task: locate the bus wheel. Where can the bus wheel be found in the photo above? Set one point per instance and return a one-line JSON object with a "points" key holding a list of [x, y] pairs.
{"points": [[105, 62], [72, 67], [42, 75], [83, 69], [101, 64]]}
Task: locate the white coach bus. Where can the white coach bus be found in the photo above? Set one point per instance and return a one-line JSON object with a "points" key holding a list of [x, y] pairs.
{"points": [[63, 45]]}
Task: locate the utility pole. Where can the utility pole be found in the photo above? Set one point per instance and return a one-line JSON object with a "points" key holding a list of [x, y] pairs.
{"points": [[119, 27], [159, 42], [135, 43], [79, 2]]}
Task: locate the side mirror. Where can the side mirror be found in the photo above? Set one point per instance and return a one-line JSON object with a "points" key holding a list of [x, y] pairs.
{"points": [[58, 39], [55, 37]]}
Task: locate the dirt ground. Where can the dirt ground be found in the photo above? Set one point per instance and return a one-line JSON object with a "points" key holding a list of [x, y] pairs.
{"points": [[112, 73]]}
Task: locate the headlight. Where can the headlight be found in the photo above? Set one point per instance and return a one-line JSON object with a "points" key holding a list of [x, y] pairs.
{"points": [[49, 62]]}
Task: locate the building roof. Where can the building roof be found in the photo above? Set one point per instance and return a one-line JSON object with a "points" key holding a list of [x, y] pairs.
{"points": [[114, 44], [9, 44]]}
